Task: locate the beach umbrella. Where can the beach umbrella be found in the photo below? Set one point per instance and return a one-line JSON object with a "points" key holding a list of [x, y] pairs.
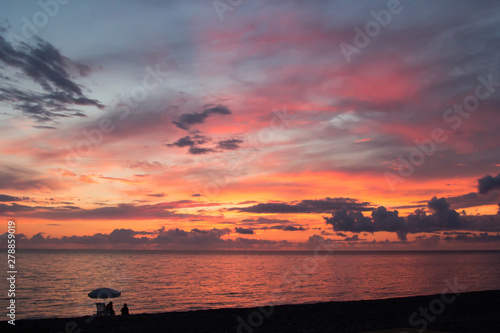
{"points": [[104, 293]]}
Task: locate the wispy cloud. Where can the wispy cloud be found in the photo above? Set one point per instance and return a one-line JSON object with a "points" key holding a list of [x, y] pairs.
{"points": [[42, 63]]}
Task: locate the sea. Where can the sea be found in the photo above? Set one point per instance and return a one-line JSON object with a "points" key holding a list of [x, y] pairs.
{"points": [[55, 283]]}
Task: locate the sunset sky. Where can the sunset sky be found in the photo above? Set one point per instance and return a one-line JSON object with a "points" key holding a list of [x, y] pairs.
{"points": [[258, 125]]}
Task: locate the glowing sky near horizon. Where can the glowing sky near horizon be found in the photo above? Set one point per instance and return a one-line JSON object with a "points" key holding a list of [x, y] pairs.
{"points": [[124, 121]]}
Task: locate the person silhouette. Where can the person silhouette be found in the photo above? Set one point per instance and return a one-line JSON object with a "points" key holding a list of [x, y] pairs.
{"points": [[124, 310], [109, 309]]}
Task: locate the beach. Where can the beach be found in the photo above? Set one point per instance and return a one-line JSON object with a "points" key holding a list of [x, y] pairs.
{"points": [[465, 312]]}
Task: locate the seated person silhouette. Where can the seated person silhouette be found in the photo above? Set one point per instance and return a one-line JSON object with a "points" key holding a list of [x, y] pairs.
{"points": [[109, 309], [124, 310]]}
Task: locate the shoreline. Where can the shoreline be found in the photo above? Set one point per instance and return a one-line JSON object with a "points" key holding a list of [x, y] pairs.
{"points": [[465, 312]]}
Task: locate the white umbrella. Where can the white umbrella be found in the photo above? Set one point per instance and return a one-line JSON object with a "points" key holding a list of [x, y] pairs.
{"points": [[104, 293]]}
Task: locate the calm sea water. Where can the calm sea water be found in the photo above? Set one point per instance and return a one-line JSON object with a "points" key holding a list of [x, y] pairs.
{"points": [[56, 283]]}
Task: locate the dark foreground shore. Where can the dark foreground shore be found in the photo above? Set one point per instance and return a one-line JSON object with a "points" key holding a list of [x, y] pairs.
{"points": [[467, 312]]}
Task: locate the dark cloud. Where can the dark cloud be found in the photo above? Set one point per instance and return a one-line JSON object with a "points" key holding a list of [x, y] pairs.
{"points": [[9, 198], [353, 221], [473, 199], [162, 238], [282, 227], [410, 206], [230, 144], [193, 237], [420, 242], [292, 228], [18, 178], [183, 142], [44, 127], [438, 205], [121, 211], [196, 195], [263, 223], [441, 218], [117, 236], [199, 150], [124, 211], [488, 183], [449, 217], [244, 231], [194, 143], [353, 238], [125, 236], [264, 220], [307, 206], [482, 237], [386, 220], [446, 233], [15, 208], [43, 64], [212, 239], [157, 195], [23, 210], [186, 120]]}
